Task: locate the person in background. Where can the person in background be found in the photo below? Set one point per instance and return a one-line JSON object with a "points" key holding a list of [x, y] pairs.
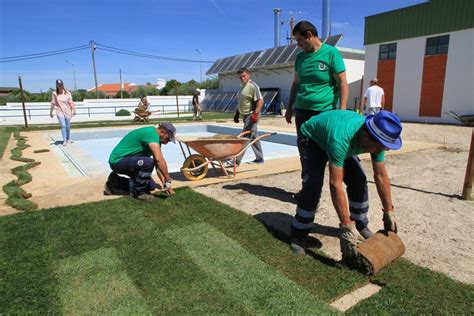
{"points": [[61, 102], [319, 82], [338, 137], [375, 96], [249, 108], [137, 154], [196, 105]]}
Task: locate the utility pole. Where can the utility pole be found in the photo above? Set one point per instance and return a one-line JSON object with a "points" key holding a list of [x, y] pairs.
{"points": [[277, 12], [93, 47], [200, 63], [121, 84], [74, 73]]}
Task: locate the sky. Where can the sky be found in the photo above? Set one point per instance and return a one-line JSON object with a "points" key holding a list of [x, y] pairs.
{"points": [[192, 30]]}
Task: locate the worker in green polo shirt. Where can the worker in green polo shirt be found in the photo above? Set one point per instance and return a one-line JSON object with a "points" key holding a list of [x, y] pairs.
{"points": [[338, 137], [320, 80], [137, 154]]}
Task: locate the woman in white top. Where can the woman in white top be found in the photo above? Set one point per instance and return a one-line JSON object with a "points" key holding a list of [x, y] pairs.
{"points": [[61, 101]]}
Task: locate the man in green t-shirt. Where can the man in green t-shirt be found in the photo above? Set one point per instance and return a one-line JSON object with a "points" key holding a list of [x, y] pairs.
{"points": [[319, 82], [338, 137], [137, 154]]}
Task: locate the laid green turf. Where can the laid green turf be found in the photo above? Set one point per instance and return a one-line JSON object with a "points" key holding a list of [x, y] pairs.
{"points": [[187, 254]]}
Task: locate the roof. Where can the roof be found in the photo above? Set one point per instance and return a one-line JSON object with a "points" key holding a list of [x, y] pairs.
{"points": [[113, 87], [277, 57], [432, 17]]}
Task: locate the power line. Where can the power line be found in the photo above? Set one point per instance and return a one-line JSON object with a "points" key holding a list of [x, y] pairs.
{"points": [[40, 55], [138, 54]]}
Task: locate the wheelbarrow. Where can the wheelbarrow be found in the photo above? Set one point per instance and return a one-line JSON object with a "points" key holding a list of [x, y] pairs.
{"points": [[216, 151], [463, 119]]}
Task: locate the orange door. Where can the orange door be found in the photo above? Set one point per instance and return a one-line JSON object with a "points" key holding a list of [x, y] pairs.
{"points": [[386, 77], [432, 85]]}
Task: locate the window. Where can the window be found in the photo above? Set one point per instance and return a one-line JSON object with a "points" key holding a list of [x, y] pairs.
{"points": [[437, 45], [388, 51]]}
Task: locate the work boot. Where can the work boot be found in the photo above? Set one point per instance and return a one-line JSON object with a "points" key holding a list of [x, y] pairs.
{"points": [[107, 190], [298, 246], [366, 232]]}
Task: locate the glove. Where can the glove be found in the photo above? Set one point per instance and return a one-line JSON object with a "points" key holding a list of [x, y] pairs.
{"points": [[389, 221], [254, 117], [51, 114], [236, 117], [349, 239], [167, 184]]}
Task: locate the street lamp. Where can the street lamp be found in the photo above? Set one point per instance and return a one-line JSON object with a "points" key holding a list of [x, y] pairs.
{"points": [[200, 63], [74, 73]]}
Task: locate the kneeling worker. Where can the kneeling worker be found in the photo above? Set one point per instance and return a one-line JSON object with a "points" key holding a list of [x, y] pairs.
{"points": [[132, 157], [335, 136]]}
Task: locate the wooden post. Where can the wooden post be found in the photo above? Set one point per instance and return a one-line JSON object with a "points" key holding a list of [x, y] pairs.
{"points": [[360, 94], [23, 101], [469, 177], [177, 101]]}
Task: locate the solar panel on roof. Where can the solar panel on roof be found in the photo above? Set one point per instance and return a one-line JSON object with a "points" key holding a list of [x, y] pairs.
{"points": [[227, 64], [286, 54], [333, 40], [220, 106], [232, 65], [292, 57], [243, 61], [263, 58], [268, 98], [208, 100], [251, 61], [222, 64], [273, 58], [212, 70]]}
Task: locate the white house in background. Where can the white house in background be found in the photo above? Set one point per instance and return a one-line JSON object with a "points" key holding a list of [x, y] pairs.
{"points": [[423, 58], [273, 70]]}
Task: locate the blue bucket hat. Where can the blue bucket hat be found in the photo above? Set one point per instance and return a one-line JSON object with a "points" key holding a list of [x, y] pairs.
{"points": [[386, 128]]}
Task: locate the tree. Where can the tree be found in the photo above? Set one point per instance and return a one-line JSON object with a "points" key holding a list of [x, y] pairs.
{"points": [[119, 95]]}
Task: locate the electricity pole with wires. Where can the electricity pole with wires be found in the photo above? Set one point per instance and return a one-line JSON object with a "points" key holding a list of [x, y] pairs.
{"points": [[93, 47]]}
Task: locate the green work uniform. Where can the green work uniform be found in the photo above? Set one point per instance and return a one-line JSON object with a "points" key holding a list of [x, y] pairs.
{"points": [[135, 143], [248, 95], [335, 133], [317, 89]]}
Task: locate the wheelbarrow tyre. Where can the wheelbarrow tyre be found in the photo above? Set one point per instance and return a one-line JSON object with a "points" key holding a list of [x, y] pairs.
{"points": [[194, 161]]}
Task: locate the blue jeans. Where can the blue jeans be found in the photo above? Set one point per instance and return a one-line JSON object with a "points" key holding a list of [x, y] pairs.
{"points": [[257, 146], [65, 123]]}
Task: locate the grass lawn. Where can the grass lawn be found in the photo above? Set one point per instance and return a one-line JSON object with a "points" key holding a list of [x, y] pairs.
{"points": [[188, 254]]}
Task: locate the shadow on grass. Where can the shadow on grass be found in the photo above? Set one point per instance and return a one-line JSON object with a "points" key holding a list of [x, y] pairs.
{"points": [[278, 224]]}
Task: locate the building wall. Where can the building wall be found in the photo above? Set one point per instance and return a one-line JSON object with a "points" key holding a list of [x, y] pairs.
{"points": [[458, 94], [283, 77]]}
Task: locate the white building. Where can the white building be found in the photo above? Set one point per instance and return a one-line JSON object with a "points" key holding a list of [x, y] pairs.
{"points": [[423, 58], [273, 71]]}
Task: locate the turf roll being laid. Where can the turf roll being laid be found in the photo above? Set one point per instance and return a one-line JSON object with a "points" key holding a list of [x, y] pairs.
{"points": [[379, 251]]}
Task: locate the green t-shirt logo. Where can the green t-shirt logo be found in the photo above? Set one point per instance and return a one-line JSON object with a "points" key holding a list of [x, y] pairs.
{"points": [[322, 66]]}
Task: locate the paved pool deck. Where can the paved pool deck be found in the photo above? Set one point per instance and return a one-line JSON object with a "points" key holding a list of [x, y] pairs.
{"points": [[53, 186]]}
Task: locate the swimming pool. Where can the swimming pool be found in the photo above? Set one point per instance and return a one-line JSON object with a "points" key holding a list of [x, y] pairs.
{"points": [[89, 154]]}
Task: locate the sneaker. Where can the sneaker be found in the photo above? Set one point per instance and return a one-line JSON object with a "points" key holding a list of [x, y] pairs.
{"points": [[257, 161], [65, 143], [366, 232], [145, 197], [298, 246]]}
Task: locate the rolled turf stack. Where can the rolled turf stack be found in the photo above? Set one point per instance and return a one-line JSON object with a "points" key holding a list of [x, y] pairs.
{"points": [[379, 251]]}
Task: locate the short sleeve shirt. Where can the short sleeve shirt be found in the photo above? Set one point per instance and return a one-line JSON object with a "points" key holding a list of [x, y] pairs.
{"points": [[335, 133], [135, 143], [249, 93], [317, 89]]}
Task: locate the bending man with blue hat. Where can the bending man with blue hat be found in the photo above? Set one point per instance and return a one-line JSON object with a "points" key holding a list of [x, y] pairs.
{"points": [[334, 136]]}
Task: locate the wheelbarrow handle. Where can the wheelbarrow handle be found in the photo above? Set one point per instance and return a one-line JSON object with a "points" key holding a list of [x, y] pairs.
{"points": [[252, 142]]}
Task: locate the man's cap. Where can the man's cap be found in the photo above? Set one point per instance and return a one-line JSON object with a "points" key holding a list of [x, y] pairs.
{"points": [[59, 82], [386, 128], [375, 80], [198, 90], [170, 129]]}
